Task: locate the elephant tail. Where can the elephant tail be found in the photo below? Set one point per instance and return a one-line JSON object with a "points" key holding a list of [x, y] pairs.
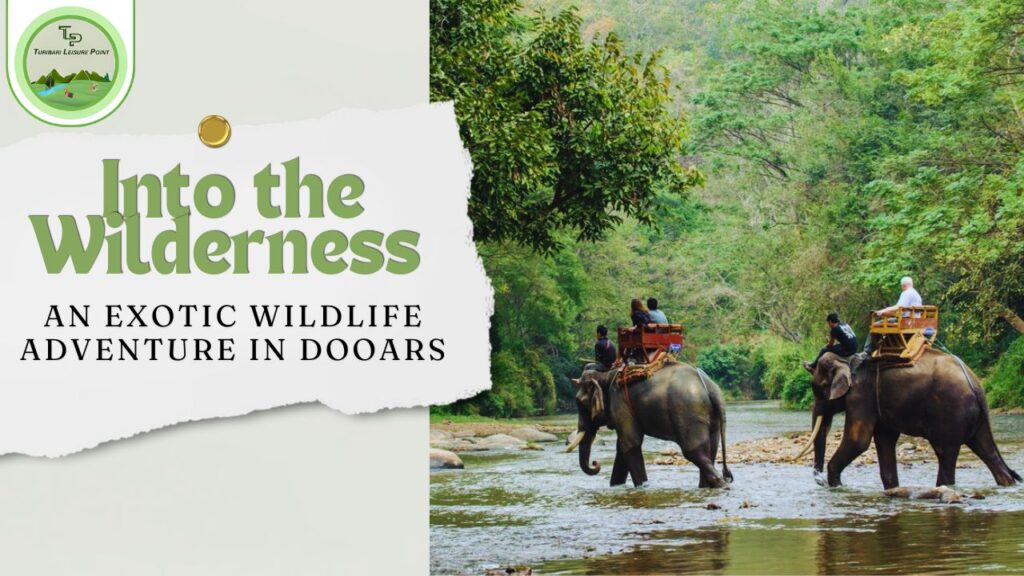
{"points": [[989, 439], [718, 404], [721, 431]]}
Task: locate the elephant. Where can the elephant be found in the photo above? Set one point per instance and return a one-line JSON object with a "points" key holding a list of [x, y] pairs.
{"points": [[676, 403], [937, 398]]}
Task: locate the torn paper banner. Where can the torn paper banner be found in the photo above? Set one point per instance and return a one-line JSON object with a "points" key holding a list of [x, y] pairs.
{"points": [[151, 280]]}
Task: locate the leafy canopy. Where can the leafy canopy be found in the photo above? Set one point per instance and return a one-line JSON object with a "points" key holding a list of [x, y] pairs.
{"points": [[564, 134]]}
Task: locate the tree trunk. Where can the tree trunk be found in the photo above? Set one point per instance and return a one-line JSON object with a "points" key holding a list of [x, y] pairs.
{"points": [[1014, 320]]}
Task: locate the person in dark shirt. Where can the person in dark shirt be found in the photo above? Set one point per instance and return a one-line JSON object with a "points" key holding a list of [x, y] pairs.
{"points": [[638, 313], [841, 340], [604, 352]]}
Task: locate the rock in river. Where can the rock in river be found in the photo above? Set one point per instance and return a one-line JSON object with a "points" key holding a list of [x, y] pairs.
{"points": [[532, 435], [445, 459], [440, 436], [498, 441], [943, 494]]}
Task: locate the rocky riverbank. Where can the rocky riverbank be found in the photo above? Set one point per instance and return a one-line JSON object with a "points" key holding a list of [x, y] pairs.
{"points": [[490, 436], [483, 429]]}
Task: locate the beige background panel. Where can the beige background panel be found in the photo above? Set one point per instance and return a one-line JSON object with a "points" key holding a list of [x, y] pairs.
{"points": [[299, 490], [259, 61]]}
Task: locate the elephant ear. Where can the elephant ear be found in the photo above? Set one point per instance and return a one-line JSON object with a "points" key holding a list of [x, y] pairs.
{"points": [[596, 401], [840, 379]]}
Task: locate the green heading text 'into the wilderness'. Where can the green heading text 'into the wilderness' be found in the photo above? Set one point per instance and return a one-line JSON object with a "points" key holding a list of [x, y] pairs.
{"points": [[118, 231]]}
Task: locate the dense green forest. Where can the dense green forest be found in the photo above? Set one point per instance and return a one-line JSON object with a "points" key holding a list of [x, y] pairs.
{"points": [[752, 164]]}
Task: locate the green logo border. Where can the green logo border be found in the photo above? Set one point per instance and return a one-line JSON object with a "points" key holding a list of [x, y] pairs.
{"points": [[120, 57]]}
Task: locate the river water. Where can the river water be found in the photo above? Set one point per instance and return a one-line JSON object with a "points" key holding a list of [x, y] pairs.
{"points": [[537, 509], [52, 89]]}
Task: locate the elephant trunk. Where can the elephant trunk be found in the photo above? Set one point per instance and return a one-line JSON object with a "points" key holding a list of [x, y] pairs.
{"points": [[590, 468]]}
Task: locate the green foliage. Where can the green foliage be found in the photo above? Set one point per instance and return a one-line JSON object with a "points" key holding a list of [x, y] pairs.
{"points": [[796, 389], [521, 385], [734, 368], [868, 143], [782, 373], [770, 368], [569, 137], [565, 134], [845, 145], [1004, 387]]}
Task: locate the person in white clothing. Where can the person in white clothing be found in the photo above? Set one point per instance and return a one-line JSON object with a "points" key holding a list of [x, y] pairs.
{"points": [[909, 297]]}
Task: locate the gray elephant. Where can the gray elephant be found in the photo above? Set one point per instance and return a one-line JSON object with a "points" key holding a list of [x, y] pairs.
{"points": [[938, 398], [678, 403]]}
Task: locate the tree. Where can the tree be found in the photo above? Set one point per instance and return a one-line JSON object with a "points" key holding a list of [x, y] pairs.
{"points": [[564, 134]]}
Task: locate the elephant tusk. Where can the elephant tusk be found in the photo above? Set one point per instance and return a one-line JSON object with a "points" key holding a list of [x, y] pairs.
{"points": [[576, 441], [810, 443]]}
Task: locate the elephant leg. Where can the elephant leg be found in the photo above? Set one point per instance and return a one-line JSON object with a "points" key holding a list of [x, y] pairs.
{"points": [[947, 456], [885, 445], [709, 476], [713, 443], [984, 446], [703, 482], [711, 449], [637, 468], [620, 470], [856, 439], [726, 473]]}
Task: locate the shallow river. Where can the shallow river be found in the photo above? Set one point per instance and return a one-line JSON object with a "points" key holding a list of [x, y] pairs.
{"points": [[537, 509]]}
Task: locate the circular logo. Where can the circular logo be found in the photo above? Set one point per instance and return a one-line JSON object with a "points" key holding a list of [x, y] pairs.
{"points": [[72, 63]]}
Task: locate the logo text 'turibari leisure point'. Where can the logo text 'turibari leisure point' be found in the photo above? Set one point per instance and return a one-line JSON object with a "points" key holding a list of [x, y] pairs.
{"points": [[71, 65]]}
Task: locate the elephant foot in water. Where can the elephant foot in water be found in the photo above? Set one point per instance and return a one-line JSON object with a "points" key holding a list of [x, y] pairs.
{"points": [[709, 476], [827, 480]]}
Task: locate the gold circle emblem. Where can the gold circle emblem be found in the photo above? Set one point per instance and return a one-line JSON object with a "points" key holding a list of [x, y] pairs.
{"points": [[214, 131]]}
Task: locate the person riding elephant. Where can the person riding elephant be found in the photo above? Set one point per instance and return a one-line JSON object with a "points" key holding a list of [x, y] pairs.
{"points": [[657, 316], [677, 403], [909, 297], [604, 352], [638, 314], [937, 398], [842, 340]]}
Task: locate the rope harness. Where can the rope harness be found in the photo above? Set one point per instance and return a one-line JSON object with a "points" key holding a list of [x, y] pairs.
{"points": [[963, 367], [624, 382], [700, 373]]}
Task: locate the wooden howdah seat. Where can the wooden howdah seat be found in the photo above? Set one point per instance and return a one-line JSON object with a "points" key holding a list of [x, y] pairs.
{"points": [[645, 344], [905, 333]]}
